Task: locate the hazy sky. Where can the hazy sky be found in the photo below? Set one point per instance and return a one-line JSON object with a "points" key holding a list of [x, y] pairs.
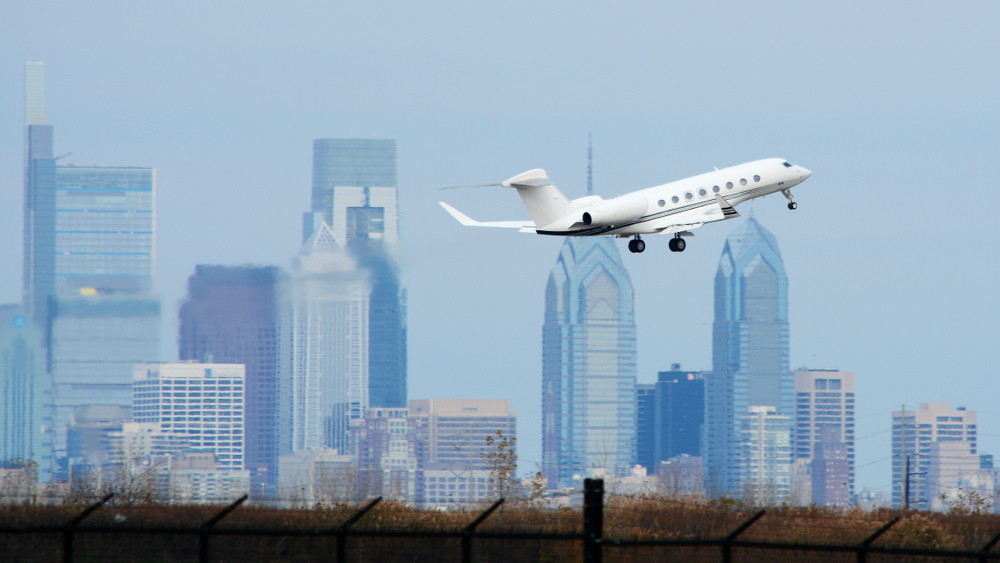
{"points": [[891, 257]]}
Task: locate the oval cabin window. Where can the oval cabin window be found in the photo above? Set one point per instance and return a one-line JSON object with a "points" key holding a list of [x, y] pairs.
{"points": [[729, 185], [702, 192], [756, 178], [675, 199], [661, 203]]}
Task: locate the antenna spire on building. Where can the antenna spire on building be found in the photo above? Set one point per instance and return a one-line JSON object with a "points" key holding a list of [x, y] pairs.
{"points": [[590, 163]]}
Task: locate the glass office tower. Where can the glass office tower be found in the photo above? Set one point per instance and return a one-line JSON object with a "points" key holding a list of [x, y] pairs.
{"points": [[230, 317], [89, 259], [588, 364], [323, 355], [749, 349], [355, 193], [25, 393]]}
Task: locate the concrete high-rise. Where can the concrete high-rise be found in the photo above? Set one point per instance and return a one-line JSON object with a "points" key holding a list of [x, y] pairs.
{"points": [[749, 349], [355, 193], [323, 352], [932, 422], [588, 364], [202, 402], [89, 261], [451, 435], [230, 317], [824, 423]]}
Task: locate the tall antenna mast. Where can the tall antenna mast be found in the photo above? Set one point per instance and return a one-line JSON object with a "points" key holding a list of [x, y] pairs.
{"points": [[590, 163]]}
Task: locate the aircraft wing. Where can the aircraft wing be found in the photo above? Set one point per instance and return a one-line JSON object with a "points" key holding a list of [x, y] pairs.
{"points": [[525, 226], [695, 218]]}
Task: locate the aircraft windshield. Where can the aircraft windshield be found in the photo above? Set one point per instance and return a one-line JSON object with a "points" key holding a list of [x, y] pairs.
{"points": [[787, 165]]}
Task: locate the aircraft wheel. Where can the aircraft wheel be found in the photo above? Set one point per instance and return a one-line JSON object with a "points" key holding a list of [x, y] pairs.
{"points": [[679, 245], [793, 205], [640, 245], [672, 245], [631, 247]]}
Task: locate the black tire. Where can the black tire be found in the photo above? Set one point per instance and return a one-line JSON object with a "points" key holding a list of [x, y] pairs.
{"points": [[640, 246], [680, 245], [672, 245], [631, 246], [793, 205]]}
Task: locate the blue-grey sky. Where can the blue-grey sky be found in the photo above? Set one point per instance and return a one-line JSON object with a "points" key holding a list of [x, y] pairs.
{"points": [[891, 258]]}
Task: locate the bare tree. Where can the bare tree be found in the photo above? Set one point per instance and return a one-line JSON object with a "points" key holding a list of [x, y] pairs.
{"points": [[501, 460]]}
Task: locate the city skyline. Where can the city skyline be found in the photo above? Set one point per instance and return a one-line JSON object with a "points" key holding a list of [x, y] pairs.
{"points": [[230, 135]]}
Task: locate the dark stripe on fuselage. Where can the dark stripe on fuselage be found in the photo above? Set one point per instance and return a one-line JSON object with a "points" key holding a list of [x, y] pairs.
{"points": [[604, 230]]}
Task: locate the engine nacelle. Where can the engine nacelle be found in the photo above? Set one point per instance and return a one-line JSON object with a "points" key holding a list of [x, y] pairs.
{"points": [[616, 211]]}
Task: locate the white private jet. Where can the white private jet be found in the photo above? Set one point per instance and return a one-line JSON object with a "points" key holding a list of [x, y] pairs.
{"points": [[670, 209]]}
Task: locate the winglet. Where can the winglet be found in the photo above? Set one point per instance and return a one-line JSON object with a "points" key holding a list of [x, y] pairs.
{"points": [[727, 210], [462, 217]]}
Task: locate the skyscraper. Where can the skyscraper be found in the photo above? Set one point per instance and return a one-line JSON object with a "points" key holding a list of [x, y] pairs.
{"points": [[25, 392], [824, 422], [230, 315], [588, 364], [933, 422], [767, 456], [89, 259], [671, 425], [749, 349], [354, 192], [323, 355]]}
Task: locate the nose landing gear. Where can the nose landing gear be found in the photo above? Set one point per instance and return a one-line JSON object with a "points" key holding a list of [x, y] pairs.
{"points": [[636, 245], [788, 196], [677, 244]]}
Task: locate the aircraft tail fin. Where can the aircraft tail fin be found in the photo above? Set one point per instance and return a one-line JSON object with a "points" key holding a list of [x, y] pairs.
{"points": [[545, 203]]}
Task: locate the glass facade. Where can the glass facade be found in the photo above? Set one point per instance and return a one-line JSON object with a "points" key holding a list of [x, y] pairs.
{"points": [[323, 352], [671, 413], [230, 316], [89, 259], [26, 408], [749, 349], [588, 364], [355, 193]]}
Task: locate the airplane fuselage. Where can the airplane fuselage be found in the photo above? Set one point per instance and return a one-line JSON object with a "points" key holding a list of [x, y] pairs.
{"points": [[651, 210]]}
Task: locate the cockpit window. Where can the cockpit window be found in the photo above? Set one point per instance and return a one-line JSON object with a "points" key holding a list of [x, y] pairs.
{"points": [[787, 165]]}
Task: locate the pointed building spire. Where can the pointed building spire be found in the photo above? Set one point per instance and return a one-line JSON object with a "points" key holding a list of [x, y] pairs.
{"points": [[590, 163], [322, 239]]}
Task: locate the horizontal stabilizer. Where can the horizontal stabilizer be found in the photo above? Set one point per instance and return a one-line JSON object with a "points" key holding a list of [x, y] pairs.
{"points": [[525, 226]]}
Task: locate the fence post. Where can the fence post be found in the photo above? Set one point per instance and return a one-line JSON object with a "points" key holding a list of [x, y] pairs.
{"points": [[342, 538], [727, 543], [467, 537], [986, 549], [68, 534], [863, 548], [593, 519], [204, 535]]}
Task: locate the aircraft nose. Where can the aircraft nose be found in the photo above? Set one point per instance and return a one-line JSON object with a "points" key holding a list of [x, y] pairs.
{"points": [[805, 173]]}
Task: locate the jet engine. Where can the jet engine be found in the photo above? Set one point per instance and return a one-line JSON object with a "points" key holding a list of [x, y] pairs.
{"points": [[616, 211]]}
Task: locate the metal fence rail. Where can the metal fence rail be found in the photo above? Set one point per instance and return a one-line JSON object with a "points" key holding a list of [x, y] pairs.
{"points": [[594, 546]]}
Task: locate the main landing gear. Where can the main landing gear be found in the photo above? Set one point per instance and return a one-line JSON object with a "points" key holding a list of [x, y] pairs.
{"points": [[636, 245], [677, 244], [788, 196]]}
